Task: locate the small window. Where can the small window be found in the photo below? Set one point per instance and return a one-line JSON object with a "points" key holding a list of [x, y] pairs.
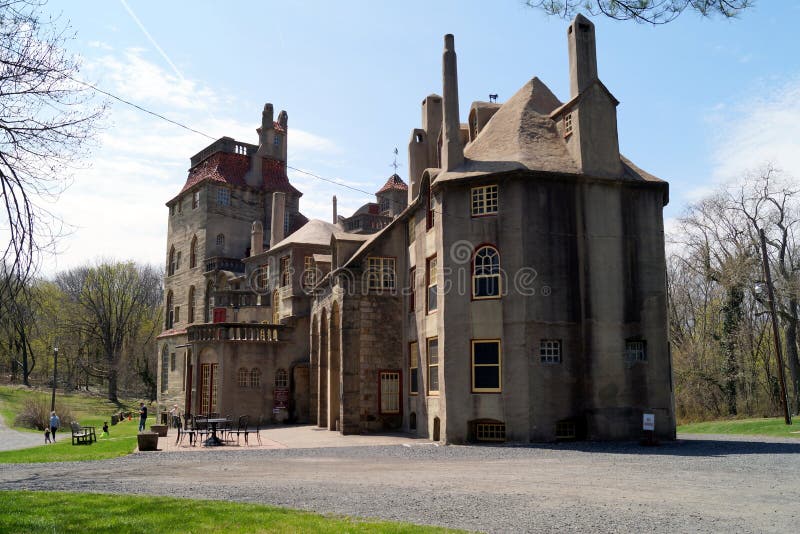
{"points": [[221, 241], [277, 140], [431, 215], [255, 377], [568, 124], [193, 253], [171, 267], [380, 274], [169, 318], [383, 204], [412, 289], [635, 351], [309, 272], [484, 200], [164, 370], [430, 278], [486, 273], [413, 368], [177, 314], [433, 366], [191, 306], [196, 200], [412, 234], [486, 369], [243, 377], [178, 261], [223, 196], [285, 272], [565, 430], [281, 378], [390, 392], [550, 351], [490, 431]]}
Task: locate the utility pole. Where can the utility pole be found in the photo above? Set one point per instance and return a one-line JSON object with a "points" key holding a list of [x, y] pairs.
{"points": [[775, 330], [55, 366]]}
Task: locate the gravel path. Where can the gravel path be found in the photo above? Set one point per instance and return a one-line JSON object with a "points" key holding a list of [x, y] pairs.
{"points": [[698, 484], [11, 439]]}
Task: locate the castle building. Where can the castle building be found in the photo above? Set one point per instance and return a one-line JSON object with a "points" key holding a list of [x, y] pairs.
{"points": [[514, 290]]}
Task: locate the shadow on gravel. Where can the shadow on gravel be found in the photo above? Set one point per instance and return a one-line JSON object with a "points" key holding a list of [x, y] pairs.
{"points": [[682, 447]]}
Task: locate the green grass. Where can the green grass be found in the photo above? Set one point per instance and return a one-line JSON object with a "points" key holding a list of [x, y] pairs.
{"points": [[26, 511], [89, 410], [774, 426]]}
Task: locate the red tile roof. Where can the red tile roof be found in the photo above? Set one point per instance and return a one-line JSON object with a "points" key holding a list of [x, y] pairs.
{"points": [[394, 182], [224, 167], [276, 125]]}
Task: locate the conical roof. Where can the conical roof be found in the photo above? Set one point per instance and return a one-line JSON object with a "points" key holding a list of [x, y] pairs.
{"points": [[394, 182]]}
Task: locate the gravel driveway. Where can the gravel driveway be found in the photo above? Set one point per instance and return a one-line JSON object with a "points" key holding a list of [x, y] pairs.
{"points": [[698, 484]]}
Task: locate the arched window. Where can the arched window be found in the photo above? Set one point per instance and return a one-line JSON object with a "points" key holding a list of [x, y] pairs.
{"points": [[190, 315], [255, 377], [221, 241], [169, 312], [171, 262], [276, 308], [486, 273], [243, 377], [281, 378], [164, 369], [193, 253]]}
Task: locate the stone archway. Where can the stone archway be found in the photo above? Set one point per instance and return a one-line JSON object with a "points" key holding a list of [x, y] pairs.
{"points": [[322, 395], [334, 369]]}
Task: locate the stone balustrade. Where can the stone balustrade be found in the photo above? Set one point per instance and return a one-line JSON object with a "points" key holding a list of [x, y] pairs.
{"points": [[236, 332]]}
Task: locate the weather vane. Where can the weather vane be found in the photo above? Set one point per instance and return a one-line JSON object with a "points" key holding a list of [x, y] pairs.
{"points": [[394, 163]]}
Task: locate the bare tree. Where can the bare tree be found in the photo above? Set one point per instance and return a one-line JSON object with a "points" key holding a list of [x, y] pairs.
{"points": [[645, 11], [112, 301], [47, 116]]}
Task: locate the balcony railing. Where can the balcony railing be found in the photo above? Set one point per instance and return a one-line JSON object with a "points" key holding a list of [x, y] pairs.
{"points": [[239, 332], [220, 263]]}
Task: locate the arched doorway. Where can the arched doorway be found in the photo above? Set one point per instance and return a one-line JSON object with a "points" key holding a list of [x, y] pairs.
{"points": [[334, 369], [322, 419]]}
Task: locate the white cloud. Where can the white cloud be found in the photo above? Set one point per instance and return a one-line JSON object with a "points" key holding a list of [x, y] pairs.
{"points": [[763, 128], [115, 205]]}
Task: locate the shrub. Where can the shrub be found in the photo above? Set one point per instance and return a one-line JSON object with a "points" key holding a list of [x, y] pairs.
{"points": [[36, 414]]}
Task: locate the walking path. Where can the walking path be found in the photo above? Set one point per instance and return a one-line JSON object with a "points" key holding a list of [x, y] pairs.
{"points": [[12, 439]]}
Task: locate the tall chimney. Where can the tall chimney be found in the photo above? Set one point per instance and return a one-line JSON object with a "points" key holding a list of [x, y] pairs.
{"points": [[257, 238], [452, 151], [335, 214], [582, 55], [276, 223]]}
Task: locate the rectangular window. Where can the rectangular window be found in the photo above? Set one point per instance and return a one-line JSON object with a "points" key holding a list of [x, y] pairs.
{"points": [[484, 200], [177, 314], [433, 366], [172, 362], [431, 217], [413, 367], [380, 274], [412, 287], [223, 196], [550, 351], [568, 124], [635, 351], [490, 432], [486, 368], [164, 371], [205, 388], [286, 276], [430, 280], [412, 234], [390, 392], [196, 200], [309, 272]]}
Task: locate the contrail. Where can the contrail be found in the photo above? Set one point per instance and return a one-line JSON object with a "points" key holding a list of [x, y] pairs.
{"points": [[150, 38]]}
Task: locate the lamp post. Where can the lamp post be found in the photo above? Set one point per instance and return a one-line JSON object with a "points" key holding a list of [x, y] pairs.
{"points": [[55, 366]]}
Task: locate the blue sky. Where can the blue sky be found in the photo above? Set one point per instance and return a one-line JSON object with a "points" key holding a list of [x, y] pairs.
{"points": [[702, 101]]}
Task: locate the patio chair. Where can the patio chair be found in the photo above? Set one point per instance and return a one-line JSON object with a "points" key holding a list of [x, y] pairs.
{"points": [[241, 428], [257, 433]]}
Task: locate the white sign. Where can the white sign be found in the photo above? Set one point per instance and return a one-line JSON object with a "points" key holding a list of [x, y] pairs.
{"points": [[649, 421]]}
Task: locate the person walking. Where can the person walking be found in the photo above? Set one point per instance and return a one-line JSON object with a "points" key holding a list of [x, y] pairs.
{"points": [[55, 424], [142, 416]]}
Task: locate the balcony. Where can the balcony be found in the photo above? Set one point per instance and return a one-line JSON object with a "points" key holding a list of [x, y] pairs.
{"points": [[234, 332], [220, 263], [224, 144]]}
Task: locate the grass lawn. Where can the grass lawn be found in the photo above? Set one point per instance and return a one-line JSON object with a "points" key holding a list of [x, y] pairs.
{"points": [[27, 511], [89, 410], [774, 426]]}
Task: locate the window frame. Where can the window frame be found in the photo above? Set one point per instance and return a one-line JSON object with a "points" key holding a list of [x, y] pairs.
{"points": [[429, 367], [499, 365], [192, 295], [412, 285], [381, 270], [638, 354], [428, 285], [546, 346], [483, 203], [171, 268], [569, 124], [413, 368], [396, 394], [243, 378], [476, 277], [309, 272], [281, 378], [195, 200], [255, 378], [284, 263], [193, 252], [223, 196]]}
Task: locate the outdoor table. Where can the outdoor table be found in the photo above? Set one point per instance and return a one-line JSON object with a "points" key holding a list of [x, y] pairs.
{"points": [[213, 440]]}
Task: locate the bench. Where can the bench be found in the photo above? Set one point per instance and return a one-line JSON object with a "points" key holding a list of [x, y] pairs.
{"points": [[82, 434]]}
